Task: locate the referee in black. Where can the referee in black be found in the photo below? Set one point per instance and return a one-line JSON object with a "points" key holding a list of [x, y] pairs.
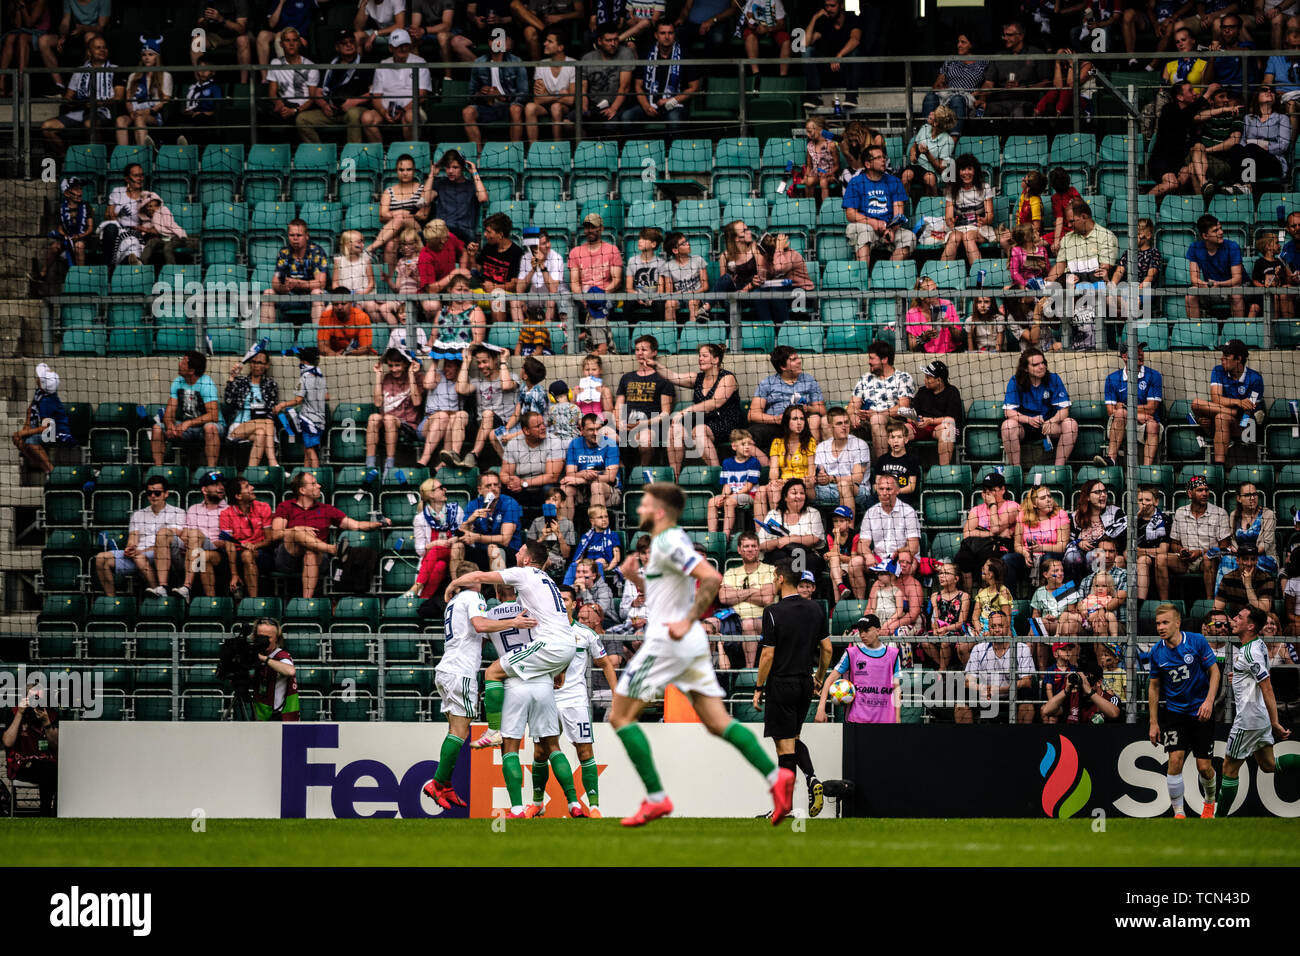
{"points": [[794, 642]]}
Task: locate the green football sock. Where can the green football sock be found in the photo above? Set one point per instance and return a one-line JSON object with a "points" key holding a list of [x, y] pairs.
{"points": [[564, 774], [514, 775], [743, 739], [1227, 793], [638, 751], [541, 770], [447, 758], [494, 694], [591, 781], [1288, 763], [1210, 785]]}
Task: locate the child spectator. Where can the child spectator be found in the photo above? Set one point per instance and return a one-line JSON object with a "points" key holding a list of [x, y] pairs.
{"points": [[1150, 263], [685, 273], [563, 419], [644, 276], [739, 478], [490, 385], [461, 322], [353, 270], [1028, 266], [1029, 207], [822, 166], [599, 544], [202, 100], [159, 230], [1098, 619], [841, 544], [75, 224], [900, 464], [531, 398], [949, 615], [397, 394], [993, 596], [405, 279], [1056, 616], [146, 96], [553, 531], [45, 411], [932, 323], [1270, 272], [307, 407], [594, 396], [986, 325], [1063, 198], [541, 270], [929, 153]]}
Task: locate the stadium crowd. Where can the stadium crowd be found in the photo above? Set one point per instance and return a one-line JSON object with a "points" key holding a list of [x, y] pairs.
{"points": [[800, 473]]}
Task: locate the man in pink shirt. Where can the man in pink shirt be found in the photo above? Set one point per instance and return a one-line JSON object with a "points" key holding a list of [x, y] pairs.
{"points": [[200, 534], [595, 266]]}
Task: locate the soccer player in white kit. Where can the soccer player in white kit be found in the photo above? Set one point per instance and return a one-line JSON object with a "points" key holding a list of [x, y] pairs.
{"points": [[465, 621], [535, 669], [1256, 727], [573, 700], [676, 651]]}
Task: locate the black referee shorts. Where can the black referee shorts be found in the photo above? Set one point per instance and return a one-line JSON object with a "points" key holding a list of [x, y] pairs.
{"points": [[785, 705]]}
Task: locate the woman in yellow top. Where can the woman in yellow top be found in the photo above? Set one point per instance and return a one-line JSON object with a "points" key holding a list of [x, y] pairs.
{"points": [[791, 456], [1188, 66]]}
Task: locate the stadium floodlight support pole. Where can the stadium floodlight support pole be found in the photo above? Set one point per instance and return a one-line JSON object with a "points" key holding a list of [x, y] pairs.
{"points": [[1135, 310]]}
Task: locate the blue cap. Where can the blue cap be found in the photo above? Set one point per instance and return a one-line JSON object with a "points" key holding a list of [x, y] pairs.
{"points": [[809, 577], [597, 309], [843, 511]]}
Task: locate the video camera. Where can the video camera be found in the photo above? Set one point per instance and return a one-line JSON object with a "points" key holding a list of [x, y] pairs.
{"points": [[237, 659]]}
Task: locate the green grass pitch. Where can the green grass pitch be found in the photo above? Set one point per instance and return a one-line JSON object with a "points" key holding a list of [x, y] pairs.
{"points": [[1236, 842]]}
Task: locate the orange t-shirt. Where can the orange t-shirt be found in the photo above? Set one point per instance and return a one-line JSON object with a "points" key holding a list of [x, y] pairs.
{"points": [[338, 329]]}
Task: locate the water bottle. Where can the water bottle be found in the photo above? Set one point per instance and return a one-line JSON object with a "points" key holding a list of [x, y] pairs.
{"points": [[979, 278], [1047, 443], [787, 283], [838, 108], [784, 185], [648, 476]]}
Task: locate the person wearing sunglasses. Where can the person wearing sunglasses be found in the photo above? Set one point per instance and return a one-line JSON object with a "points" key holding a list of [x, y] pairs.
{"points": [[139, 554]]}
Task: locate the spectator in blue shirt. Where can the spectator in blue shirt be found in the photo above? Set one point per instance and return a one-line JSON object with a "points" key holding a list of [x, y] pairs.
{"points": [[1290, 253], [193, 412], [45, 412], [1215, 263], [1037, 407], [493, 528], [1236, 395], [590, 467], [789, 385], [1227, 69], [1150, 395], [873, 204]]}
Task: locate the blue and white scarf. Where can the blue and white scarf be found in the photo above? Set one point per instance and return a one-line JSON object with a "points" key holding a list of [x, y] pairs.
{"points": [[673, 85]]}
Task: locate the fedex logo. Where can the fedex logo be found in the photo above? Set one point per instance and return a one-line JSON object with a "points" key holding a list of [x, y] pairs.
{"points": [[363, 788]]}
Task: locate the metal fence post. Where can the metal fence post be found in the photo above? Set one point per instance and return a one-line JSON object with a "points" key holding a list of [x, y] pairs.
{"points": [[1131, 435]]}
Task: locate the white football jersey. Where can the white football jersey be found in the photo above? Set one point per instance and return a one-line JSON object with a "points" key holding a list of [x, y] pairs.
{"points": [[590, 650], [670, 589], [462, 654], [510, 640], [541, 599], [1249, 667]]}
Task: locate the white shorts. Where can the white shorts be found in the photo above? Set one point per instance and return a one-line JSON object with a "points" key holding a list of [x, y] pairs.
{"points": [[1242, 743], [539, 659], [459, 694], [576, 720], [649, 672], [531, 704]]}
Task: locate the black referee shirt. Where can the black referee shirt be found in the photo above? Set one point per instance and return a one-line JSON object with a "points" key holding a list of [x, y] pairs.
{"points": [[794, 626]]}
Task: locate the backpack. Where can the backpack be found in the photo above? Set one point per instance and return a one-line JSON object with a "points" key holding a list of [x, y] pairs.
{"points": [[355, 573]]}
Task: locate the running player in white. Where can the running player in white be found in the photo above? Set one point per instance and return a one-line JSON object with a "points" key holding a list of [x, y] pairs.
{"points": [[465, 621], [574, 703], [676, 651], [1256, 727], [535, 671]]}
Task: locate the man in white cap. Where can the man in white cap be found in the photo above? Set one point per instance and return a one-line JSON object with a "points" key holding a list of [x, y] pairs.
{"points": [[47, 422], [390, 92]]}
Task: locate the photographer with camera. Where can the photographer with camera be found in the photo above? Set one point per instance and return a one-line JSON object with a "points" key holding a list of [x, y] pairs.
{"points": [[31, 743], [1074, 690], [275, 682]]}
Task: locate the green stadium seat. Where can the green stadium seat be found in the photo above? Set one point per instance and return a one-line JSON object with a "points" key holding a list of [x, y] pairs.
{"points": [[1021, 154], [1194, 335], [995, 274], [947, 275], [111, 432], [559, 218], [546, 170], [1282, 430], [324, 222], [757, 337], [1162, 476], [209, 614], [795, 217], [174, 173], [802, 336], [1112, 168], [305, 615], [63, 612], [690, 156], [222, 168], [124, 156], [224, 226], [266, 172], [359, 170], [1076, 153], [417, 151], [636, 176], [86, 161], [944, 545], [313, 172], [846, 615], [1012, 474], [117, 613]]}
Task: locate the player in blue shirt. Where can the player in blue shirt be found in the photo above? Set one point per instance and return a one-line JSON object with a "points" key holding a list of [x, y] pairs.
{"points": [[1185, 669], [873, 203], [1236, 394], [1037, 407], [1150, 395]]}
